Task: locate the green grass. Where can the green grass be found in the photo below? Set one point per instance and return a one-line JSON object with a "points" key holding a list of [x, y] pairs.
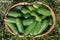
{"points": [[54, 35]]}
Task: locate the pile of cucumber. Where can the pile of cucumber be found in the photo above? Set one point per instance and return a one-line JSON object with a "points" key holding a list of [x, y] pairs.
{"points": [[29, 19]]}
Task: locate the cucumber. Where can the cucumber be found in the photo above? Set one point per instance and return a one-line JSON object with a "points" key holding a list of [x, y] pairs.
{"points": [[11, 20], [14, 14], [36, 5], [12, 27], [25, 11], [36, 29], [19, 25], [27, 16], [29, 28], [43, 17], [43, 11], [38, 18], [50, 21], [19, 7], [27, 22], [31, 8], [43, 26]]}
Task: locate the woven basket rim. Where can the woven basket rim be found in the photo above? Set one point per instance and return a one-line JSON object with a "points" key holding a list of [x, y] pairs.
{"points": [[26, 3]]}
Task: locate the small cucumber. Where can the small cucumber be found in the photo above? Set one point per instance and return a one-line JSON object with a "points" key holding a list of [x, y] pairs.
{"points": [[29, 28], [14, 14], [19, 25], [36, 5], [43, 11], [43, 17], [43, 26], [27, 16], [19, 7], [31, 8], [12, 20], [36, 29], [50, 21], [25, 11], [13, 27], [27, 22], [38, 18]]}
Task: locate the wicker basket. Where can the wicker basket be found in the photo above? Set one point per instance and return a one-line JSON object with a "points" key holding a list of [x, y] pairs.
{"points": [[26, 3]]}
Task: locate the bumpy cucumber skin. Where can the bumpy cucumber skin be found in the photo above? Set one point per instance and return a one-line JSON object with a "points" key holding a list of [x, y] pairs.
{"points": [[13, 28], [19, 25], [14, 14], [27, 22], [29, 28], [38, 18], [36, 29], [11, 20], [44, 26]]}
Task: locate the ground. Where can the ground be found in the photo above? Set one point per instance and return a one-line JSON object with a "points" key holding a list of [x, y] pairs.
{"points": [[54, 35]]}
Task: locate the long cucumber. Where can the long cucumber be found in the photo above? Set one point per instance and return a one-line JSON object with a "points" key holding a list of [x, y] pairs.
{"points": [[12, 27], [38, 18], [44, 26], [27, 22], [43, 11], [14, 14], [11, 20], [29, 28], [19, 25]]}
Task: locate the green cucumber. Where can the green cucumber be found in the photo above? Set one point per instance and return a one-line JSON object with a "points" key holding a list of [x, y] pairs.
{"points": [[43, 26], [12, 27], [31, 8], [36, 5], [19, 25], [36, 29], [26, 16], [25, 11], [19, 7], [43, 17], [50, 21], [12, 20], [38, 18], [27, 22], [43, 11], [29, 28], [14, 14]]}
